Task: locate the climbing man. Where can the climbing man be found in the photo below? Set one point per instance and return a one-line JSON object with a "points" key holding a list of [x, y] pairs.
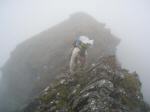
{"points": [[79, 53]]}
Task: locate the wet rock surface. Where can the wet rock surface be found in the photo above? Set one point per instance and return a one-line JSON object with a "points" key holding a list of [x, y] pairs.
{"points": [[106, 87]]}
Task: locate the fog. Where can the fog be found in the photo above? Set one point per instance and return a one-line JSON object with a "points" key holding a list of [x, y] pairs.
{"points": [[128, 20]]}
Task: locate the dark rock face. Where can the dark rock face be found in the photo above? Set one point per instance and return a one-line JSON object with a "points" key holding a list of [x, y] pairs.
{"points": [[105, 88], [37, 61]]}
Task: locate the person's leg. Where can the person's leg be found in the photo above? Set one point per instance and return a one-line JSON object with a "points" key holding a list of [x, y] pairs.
{"points": [[73, 60]]}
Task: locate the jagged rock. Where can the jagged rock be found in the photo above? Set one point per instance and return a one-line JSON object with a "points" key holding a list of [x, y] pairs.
{"points": [[38, 60], [103, 87], [107, 88]]}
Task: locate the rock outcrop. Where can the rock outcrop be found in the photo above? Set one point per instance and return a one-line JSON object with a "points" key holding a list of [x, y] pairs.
{"points": [[37, 61], [106, 87], [41, 64]]}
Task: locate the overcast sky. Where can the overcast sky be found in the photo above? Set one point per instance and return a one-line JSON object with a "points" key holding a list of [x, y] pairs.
{"points": [[128, 19]]}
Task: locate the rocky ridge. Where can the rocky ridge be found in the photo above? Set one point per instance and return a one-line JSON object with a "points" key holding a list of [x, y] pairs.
{"points": [[105, 87], [43, 60], [34, 63]]}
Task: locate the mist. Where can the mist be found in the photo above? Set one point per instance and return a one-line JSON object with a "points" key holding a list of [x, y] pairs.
{"points": [[128, 20]]}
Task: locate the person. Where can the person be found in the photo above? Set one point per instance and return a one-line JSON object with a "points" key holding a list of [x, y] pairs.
{"points": [[79, 53]]}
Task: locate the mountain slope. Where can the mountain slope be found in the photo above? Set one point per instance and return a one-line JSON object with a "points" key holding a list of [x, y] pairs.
{"points": [[37, 61], [105, 87]]}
